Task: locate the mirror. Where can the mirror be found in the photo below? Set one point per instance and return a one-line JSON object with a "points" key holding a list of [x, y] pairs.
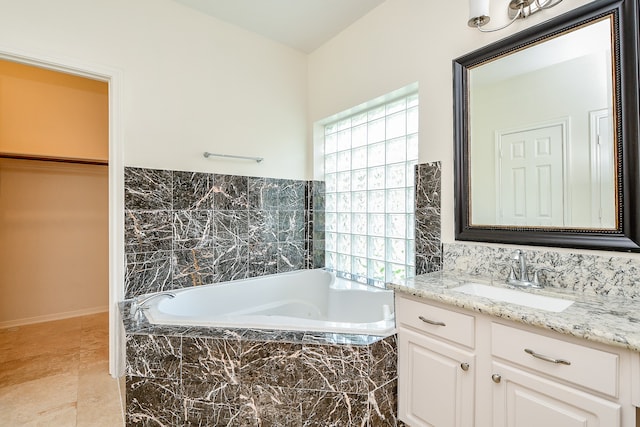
{"points": [[546, 133], [535, 119]]}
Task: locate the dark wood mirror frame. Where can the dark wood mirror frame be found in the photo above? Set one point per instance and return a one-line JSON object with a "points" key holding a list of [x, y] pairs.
{"points": [[626, 237]]}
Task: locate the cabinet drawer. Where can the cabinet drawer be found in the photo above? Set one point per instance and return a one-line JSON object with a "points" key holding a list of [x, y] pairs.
{"points": [[595, 369], [452, 326]]}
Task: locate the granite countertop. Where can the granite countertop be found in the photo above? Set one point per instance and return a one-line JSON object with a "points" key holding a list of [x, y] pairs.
{"points": [[610, 320]]}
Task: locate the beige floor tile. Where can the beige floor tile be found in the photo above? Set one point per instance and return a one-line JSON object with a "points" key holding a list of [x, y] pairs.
{"points": [[59, 419], [94, 349], [31, 340], [95, 321], [94, 340], [49, 401], [56, 374], [98, 397], [39, 366]]}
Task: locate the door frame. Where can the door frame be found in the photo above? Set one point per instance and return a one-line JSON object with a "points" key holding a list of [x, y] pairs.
{"points": [[113, 77], [565, 125], [595, 169]]}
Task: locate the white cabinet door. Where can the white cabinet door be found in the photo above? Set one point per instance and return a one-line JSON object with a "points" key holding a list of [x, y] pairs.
{"points": [[523, 399], [436, 382]]}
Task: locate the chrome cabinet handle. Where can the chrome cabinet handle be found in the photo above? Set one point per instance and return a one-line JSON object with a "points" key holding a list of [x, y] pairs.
{"points": [[431, 322], [496, 378], [547, 358], [464, 366]]}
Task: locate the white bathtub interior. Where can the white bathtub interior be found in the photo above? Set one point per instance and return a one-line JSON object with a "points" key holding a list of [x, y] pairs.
{"points": [[306, 300]]}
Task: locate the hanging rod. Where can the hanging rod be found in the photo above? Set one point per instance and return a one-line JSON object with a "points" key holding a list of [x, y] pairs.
{"points": [[257, 159], [54, 159]]}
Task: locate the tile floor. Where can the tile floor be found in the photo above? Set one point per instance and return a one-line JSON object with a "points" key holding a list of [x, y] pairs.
{"points": [[57, 374]]}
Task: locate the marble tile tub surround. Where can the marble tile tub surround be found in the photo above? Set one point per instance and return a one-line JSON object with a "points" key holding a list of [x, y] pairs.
{"points": [[189, 228], [177, 375], [580, 272], [428, 245]]}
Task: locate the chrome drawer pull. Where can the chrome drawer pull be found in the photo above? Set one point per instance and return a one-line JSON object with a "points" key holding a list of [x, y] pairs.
{"points": [[547, 358], [431, 322]]}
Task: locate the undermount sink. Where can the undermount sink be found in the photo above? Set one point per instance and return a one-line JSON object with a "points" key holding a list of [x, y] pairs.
{"points": [[527, 299]]}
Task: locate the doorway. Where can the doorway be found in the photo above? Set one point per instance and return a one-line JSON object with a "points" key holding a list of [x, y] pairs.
{"points": [[113, 77], [53, 195], [603, 170]]}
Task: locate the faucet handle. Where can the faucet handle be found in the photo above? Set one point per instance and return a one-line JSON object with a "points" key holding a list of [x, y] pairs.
{"points": [[536, 275], [509, 267], [135, 311], [517, 254]]}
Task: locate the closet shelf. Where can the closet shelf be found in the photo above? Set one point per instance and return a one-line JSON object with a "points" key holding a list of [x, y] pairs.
{"points": [[53, 159]]}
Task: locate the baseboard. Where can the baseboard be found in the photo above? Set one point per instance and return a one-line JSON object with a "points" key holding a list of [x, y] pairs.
{"points": [[54, 316]]}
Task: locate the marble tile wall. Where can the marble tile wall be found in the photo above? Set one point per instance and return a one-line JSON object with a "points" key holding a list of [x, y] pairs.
{"points": [[187, 228], [242, 377], [428, 247], [592, 274]]}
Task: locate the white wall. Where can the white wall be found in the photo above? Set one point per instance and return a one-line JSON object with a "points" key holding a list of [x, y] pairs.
{"points": [[191, 83], [400, 42]]}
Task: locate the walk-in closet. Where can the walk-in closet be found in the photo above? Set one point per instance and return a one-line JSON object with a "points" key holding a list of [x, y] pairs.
{"points": [[53, 195]]}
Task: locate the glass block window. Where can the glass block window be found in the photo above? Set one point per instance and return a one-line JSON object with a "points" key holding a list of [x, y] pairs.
{"points": [[369, 175]]}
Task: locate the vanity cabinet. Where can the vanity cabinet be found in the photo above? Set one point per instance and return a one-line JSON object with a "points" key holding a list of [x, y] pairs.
{"points": [[435, 355], [459, 368], [524, 399], [537, 378]]}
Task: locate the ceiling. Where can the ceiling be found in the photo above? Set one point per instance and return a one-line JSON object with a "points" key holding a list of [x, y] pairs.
{"points": [[304, 25]]}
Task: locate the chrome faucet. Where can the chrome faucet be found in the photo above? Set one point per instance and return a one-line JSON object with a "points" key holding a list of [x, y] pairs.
{"points": [[522, 279], [520, 256], [139, 304]]}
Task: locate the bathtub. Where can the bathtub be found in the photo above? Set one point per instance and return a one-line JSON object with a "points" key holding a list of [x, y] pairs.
{"points": [[305, 300]]}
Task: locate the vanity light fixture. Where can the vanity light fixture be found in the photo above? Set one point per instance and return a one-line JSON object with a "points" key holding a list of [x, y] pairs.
{"points": [[479, 11]]}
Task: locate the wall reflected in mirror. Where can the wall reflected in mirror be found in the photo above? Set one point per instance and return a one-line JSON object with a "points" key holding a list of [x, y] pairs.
{"points": [[542, 141]]}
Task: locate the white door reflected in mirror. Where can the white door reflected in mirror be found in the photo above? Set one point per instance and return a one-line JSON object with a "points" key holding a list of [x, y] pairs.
{"points": [[530, 166]]}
